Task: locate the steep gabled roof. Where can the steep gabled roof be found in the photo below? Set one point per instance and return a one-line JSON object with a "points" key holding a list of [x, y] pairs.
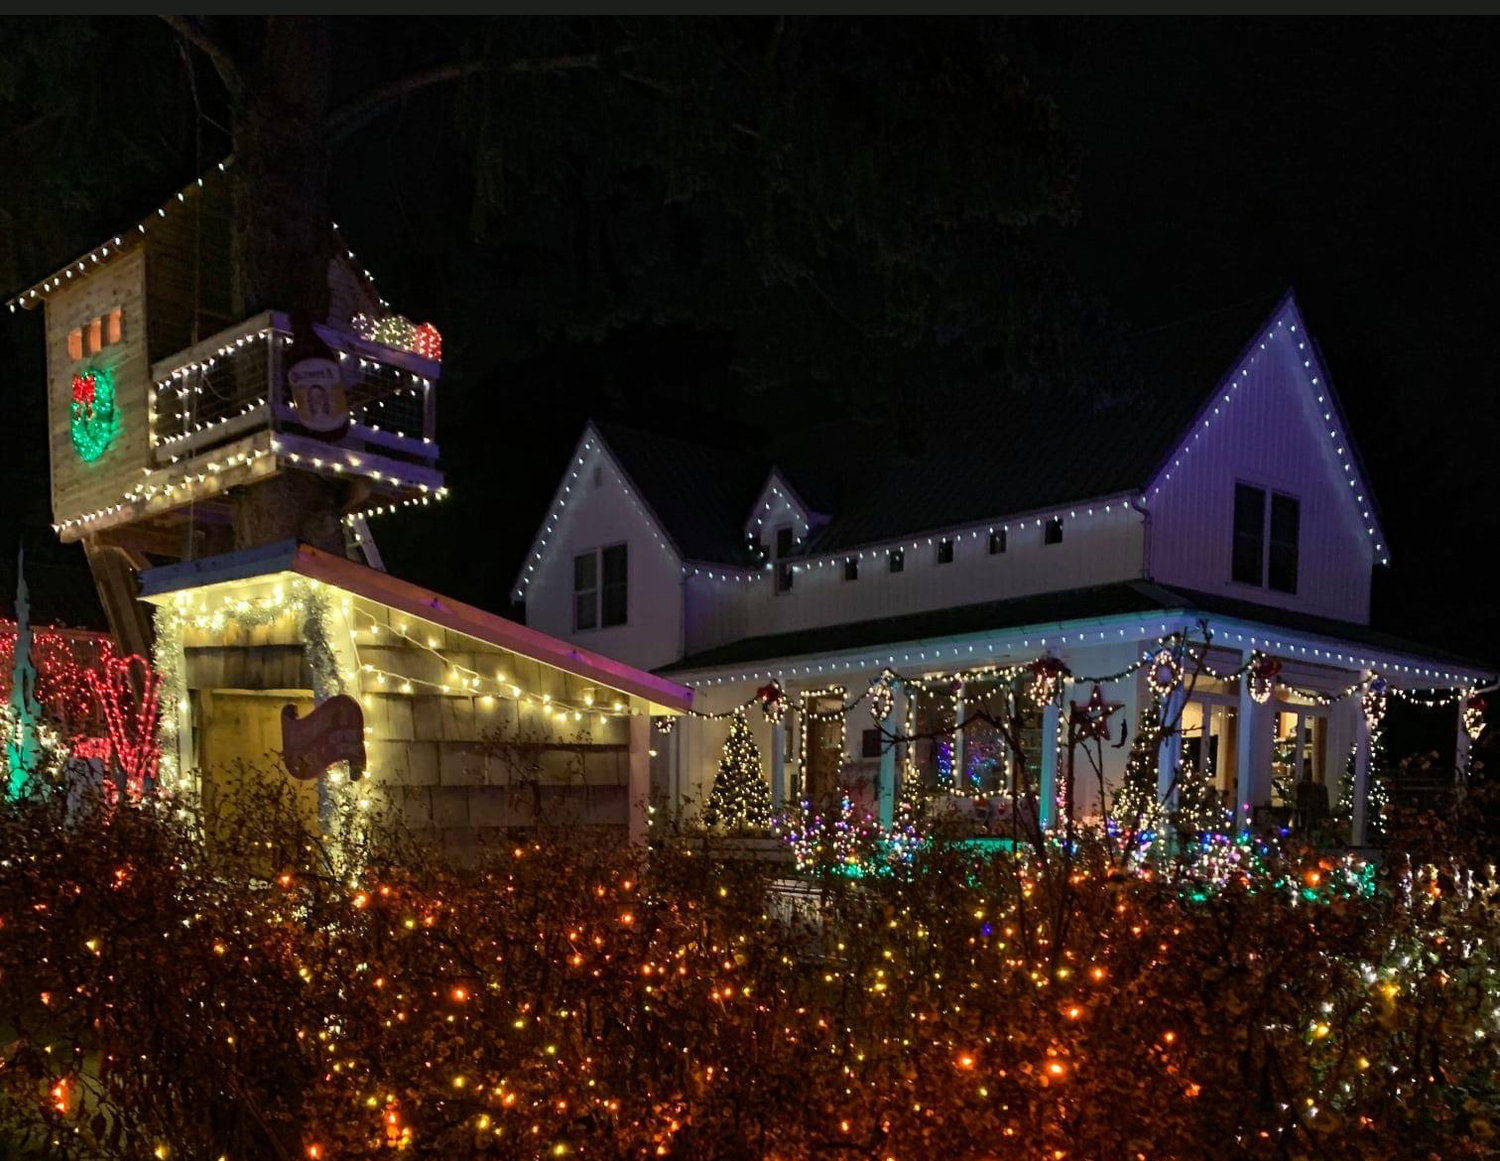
{"points": [[1009, 453]]}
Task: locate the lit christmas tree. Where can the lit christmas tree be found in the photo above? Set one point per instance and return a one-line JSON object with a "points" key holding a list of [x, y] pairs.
{"points": [[1135, 809], [740, 797], [1199, 810], [1377, 789]]}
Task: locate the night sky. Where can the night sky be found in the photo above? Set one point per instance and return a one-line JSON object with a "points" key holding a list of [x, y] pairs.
{"points": [[1221, 161]]}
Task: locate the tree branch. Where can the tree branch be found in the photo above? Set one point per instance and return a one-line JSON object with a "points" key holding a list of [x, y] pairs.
{"points": [[366, 107], [191, 29]]}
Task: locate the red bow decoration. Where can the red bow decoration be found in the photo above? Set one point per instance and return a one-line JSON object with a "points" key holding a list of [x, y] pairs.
{"points": [[1263, 671], [127, 689], [771, 703], [84, 388]]}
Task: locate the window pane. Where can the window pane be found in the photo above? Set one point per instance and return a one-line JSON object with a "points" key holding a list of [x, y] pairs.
{"points": [[1249, 524], [870, 744], [898, 560], [1285, 518], [616, 564], [784, 575], [1052, 533], [851, 568], [783, 541], [615, 602], [614, 594], [945, 551], [585, 610], [997, 542], [585, 572]]}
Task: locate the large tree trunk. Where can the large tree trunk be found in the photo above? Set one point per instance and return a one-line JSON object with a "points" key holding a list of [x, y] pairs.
{"points": [[282, 237]]}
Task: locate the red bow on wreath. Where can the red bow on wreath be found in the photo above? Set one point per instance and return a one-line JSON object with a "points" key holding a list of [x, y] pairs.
{"points": [[771, 703], [1263, 671]]}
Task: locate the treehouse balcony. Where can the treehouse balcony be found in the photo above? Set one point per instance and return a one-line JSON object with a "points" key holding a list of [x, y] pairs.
{"points": [[220, 415]]}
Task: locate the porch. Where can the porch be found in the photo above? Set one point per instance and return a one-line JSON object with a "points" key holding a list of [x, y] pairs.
{"points": [[1270, 725]]}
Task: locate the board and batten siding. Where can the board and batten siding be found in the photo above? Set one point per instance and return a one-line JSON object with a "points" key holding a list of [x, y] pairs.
{"points": [[1272, 435], [79, 487], [599, 514], [1095, 550]]}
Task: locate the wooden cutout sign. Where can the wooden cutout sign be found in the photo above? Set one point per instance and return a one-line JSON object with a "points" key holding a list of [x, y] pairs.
{"points": [[333, 732]]}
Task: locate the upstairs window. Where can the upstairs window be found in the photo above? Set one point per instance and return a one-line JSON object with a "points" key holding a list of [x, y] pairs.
{"points": [[897, 560], [1265, 539], [614, 600], [601, 587], [997, 542], [1052, 531], [851, 568], [1281, 561], [784, 570], [586, 591], [945, 551]]}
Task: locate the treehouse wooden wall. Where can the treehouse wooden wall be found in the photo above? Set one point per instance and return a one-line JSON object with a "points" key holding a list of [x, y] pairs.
{"points": [[187, 270], [79, 486]]}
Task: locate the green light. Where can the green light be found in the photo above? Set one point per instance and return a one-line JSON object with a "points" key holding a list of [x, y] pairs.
{"points": [[95, 419]]}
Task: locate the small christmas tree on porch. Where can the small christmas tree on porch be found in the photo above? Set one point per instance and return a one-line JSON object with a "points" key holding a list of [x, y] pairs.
{"points": [[1135, 808], [740, 797]]}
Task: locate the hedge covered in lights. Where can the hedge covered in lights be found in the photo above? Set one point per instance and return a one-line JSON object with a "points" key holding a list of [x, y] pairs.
{"points": [[184, 984]]}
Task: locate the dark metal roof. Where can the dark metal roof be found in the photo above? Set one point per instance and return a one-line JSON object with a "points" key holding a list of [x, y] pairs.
{"points": [[1010, 452], [700, 494], [1043, 609]]}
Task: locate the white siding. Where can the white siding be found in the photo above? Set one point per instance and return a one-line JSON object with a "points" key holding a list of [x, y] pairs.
{"points": [[1271, 434], [601, 513], [1095, 550]]}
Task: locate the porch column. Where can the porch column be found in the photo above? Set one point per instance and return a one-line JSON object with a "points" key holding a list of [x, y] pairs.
{"points": [[1461, 743], [1169, 751], [1250, 725], [674, 768], [638, 783], [1359, 816], [778, 765], [888, 760], [959, 710], [1047, 789]]}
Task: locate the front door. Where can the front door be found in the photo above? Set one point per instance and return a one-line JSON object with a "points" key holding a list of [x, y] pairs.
{"points": [[824, 757]]}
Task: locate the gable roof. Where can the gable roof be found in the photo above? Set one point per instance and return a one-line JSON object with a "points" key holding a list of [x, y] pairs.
{"points": [[1013, 453]]}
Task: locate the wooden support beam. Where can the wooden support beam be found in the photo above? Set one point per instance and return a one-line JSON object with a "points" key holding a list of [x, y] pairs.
{"points": [[115, 576]]}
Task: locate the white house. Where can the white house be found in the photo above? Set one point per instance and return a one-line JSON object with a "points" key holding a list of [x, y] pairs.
{"points": [[1226, 490]]}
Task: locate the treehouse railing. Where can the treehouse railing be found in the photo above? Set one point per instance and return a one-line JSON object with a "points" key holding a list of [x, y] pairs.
{"points": [[234, 383]]}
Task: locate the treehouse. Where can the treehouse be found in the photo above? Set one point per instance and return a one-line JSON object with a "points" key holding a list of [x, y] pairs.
{"points": [[164, 404]]}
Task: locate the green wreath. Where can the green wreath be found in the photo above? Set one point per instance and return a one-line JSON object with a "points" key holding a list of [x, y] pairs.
{"points": [[95, 419]]}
